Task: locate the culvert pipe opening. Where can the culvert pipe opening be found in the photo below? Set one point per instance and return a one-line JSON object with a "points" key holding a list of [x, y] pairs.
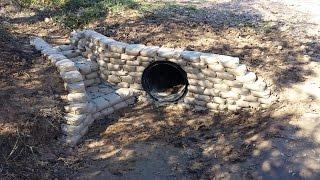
{"points": [[165, 81]]}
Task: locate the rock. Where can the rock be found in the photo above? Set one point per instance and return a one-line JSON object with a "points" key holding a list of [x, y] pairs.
{"points": [[47, 20]]}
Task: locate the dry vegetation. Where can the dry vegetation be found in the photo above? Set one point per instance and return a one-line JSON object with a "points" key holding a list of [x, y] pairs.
{"points": [[178, 144]]}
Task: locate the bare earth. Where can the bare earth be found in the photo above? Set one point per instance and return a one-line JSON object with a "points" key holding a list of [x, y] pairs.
{"points": [[280, 40]]}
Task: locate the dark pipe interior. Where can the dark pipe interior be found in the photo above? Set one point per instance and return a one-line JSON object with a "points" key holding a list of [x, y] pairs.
{"points": [[165, 81]]}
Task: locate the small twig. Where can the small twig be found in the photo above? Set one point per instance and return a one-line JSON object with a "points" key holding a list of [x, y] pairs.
{"points": [[15, 147]]}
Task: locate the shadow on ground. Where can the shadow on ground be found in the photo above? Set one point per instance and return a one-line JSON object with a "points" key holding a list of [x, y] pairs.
{"points": [[148, 140], [166, 142], [30, 110]]}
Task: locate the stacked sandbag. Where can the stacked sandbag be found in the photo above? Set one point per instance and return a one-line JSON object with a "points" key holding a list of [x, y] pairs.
{"points": [[85, 101], [106, 100], [216, 82], [77, 117], [220, 83]]}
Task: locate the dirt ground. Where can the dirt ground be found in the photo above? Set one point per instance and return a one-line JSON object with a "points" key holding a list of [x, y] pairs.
{"points": [[148, 142]]}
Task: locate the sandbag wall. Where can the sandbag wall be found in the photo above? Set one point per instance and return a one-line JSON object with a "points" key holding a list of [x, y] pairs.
{"points": [[216, 82], [87, 97]]}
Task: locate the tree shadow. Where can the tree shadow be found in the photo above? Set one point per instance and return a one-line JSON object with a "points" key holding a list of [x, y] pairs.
{"points": [[216, 145], [199, 145], [261, 45], [31, 111]]}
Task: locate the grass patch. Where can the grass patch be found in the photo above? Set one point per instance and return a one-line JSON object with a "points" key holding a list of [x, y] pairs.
{"points": [[78, 13]]}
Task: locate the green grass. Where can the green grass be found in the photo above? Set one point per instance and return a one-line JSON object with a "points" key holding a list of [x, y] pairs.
{"points": [[78, 13]]}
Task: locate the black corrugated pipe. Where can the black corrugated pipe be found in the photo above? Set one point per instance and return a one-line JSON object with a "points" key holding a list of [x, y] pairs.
{"points": [[165, 81]]}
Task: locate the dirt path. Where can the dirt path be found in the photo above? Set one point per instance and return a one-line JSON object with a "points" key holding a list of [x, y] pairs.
{"points": [[280, 144], [277, 39]]}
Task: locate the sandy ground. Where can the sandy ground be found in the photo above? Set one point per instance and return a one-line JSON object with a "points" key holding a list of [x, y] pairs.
{"points": [[277, 39]]}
